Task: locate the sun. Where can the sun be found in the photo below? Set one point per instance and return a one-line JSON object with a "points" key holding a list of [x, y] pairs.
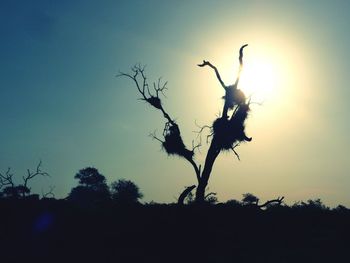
{"points": [[259, 80]]}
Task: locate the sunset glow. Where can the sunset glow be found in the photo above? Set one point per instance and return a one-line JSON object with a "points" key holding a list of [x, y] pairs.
{"points": [[259, 80], [62, 103]]}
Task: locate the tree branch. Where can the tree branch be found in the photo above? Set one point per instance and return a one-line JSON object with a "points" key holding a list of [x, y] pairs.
{"points": [[195, 167], [184, 194], [142, 86], [49, 193], [31, 175], [278, 201], [207, 63], [240, 64], [172, 143], [209, 194], [6, 179], [234, 151], [201, 129]]}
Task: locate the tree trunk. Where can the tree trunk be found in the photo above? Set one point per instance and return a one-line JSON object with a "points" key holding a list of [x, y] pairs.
{"points": [[213, 152]]}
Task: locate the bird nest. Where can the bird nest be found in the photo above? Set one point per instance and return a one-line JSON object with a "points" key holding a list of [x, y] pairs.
{"points": [[154, 101], [229, 132], [173, 143]]}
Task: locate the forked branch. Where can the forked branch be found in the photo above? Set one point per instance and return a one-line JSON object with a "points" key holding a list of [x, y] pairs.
{"points": [[277, 201], [31, 175], [207, 63], [240, 63], [49, 193], [172, 143], [6, 179], [141, 83]]}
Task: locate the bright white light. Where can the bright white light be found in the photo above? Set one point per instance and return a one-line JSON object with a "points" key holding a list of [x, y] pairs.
{"points": [[259, 80]]}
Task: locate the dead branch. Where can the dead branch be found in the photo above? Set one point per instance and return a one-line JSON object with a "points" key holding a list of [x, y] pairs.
{"points": [[6, 179], [207, 63], [277, 201], [209, 194], [184, 194], [172, 143], [201, 130], [234, 151], [240, 63], [31, 175], [233, 96], [49, 193], [197, 146], [154, 137], [142, 86]]}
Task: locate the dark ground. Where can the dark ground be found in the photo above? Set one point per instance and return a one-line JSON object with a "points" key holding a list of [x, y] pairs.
{"points": [[57, 231]]}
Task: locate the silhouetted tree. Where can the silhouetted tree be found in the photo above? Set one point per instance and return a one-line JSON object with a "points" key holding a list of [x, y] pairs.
{"points": [[227, 131], [125, 192], [10, 190], [310, 204], [90, 177], [234, 203], [92, 187], [250, 199], [341, 208]]}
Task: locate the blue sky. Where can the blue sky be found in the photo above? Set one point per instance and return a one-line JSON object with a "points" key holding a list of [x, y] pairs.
{"points": [[62, 103]]}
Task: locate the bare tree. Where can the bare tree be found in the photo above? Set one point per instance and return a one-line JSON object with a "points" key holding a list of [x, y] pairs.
{"points": [[10, 189], [227, 131], [49, 193], [6, 179]]}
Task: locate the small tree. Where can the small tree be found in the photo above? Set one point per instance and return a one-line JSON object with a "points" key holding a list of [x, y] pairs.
{"points": [[250, 199], [92, 187], [125, 192], [90, 177]]}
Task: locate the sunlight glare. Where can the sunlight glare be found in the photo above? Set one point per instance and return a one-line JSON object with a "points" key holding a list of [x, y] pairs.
{"points": [[259, 80]]}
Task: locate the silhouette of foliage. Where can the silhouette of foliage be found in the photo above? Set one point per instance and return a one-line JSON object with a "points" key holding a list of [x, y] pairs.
{"points": [[149, 233], [90, 177], [210, 198], [189, 198], [86, 195], [92, 187], [250, 199], [233, 203], [125, 192], [311, 204], [15, 191], [341, 209]]}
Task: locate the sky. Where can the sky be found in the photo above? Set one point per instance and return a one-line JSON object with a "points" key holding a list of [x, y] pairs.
{"points": [[61, 102]]}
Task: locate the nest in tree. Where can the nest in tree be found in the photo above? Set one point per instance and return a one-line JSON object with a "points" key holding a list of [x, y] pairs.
{"points": [[173, 143], [228, 132], [234, 96], [155, 102]]}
